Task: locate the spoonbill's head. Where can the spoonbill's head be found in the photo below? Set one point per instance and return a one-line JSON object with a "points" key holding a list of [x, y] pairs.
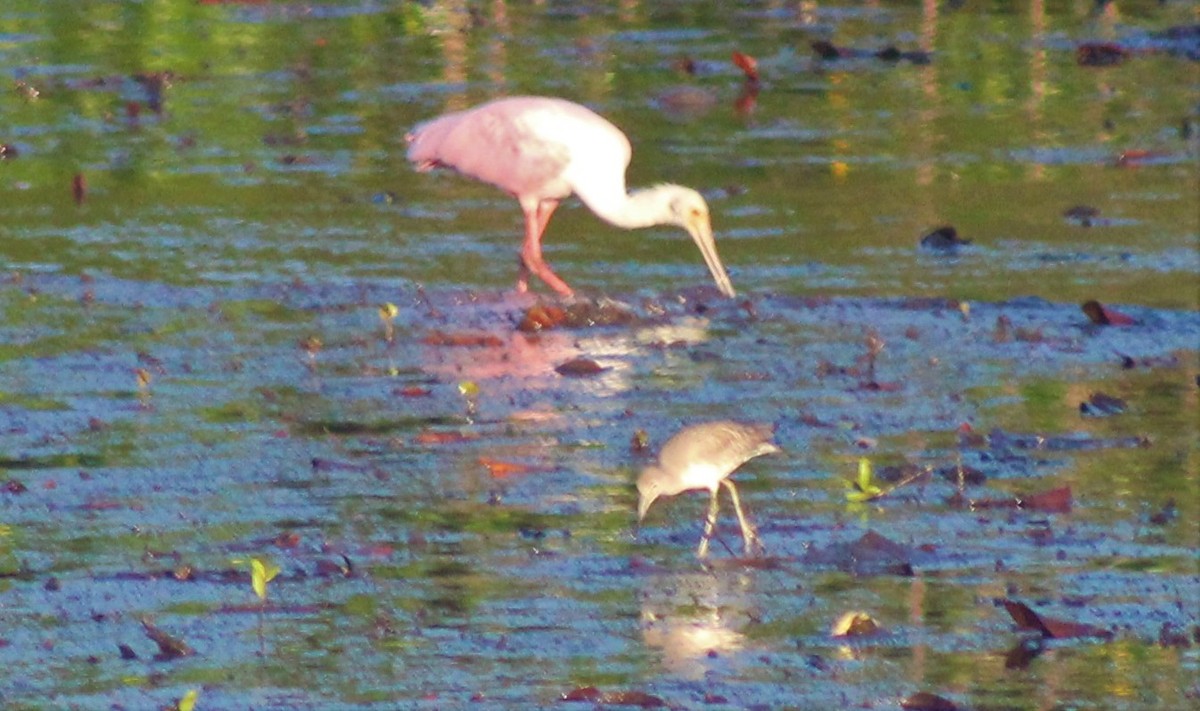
{"points": [[687, 208]]}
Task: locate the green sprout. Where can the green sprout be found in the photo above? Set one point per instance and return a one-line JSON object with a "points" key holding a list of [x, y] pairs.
{"points": [[864, 488], [387, 314], [260, 574], [188, 702], [470, 392]]}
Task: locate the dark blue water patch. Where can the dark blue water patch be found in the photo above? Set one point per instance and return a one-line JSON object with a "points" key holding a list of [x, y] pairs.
{"points": [[1062, 155], [264, 14], [13, 38], [661, 37], [1026, 255]]}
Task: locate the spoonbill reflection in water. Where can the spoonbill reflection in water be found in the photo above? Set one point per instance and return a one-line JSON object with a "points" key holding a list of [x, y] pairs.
{"points": [[540, 150]]}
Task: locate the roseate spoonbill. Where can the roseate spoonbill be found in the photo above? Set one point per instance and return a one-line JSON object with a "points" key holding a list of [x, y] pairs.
{"points": [[540, 150], [703, 456]]}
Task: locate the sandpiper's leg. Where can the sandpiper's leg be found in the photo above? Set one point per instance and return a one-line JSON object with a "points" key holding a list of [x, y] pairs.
{"points": [[709, 523], [749, 537]]}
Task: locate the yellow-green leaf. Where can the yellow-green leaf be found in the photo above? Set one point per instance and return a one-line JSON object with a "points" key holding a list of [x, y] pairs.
{"points": [[864, 474], [261, 574], [188, 702], [468, 388]]}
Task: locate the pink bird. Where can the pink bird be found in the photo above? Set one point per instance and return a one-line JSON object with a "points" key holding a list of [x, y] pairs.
{"points": [[540, 150]]}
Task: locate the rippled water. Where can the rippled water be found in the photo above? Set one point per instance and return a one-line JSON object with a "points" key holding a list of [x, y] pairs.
{"points": [[194, 370]]}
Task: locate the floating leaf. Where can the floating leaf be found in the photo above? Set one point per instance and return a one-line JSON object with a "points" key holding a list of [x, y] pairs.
{"points": [[925, 701], [1027, 619], [747, 64], [864, 488], [468, 388], [188, 702], [260, 574], [168, 647], [1101, 315], [580, 367], [854, 624]]}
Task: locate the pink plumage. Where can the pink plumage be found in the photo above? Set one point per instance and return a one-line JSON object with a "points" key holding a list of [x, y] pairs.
{"points": [[541, 150]]}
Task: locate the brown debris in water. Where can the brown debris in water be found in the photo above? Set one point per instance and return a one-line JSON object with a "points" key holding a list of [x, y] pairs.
{"points": [[169, 647], [1100, 54], [593, 695], [580, 367], [1101, 315], [1049, 627], [925, 701], [579, 314], [855, 624]]}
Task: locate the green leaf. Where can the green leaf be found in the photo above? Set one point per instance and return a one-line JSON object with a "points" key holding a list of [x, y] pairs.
{"points": [[188, 702], [468, 388], [864, 474], [261, 574]]}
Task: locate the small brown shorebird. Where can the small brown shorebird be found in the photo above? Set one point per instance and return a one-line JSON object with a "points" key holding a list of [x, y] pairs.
{"points": [[702, 457]]}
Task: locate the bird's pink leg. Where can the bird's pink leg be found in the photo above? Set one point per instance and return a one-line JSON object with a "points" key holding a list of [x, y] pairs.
{"points": [[536, 218]]}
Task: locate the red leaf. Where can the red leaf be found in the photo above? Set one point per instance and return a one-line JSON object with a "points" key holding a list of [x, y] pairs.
{"points": [[747, 64], [500, 469], [584, 693], [1052, 501], [431, 437]]}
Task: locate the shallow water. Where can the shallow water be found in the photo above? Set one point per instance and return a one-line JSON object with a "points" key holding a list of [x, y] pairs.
{"points": [[438, 550]]}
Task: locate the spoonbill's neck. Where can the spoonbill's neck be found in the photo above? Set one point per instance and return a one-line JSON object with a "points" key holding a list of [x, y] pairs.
{"points": [[641, 208]]}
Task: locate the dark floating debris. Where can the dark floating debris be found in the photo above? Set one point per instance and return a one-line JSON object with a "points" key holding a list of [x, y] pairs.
{"points": [[872, 554], [1051, 501], [1101, 315], [686, 64], [168, 647], [79, 188], [944, 239], [580, 314], [855, 624], [592, 695], [925, 701], [1024, 652], [1050, 627], [1082, 215], [1168, 513], [1100, 54], [1102, 405], [956, 473], [893, 473], [580, 367], [830, 52]]}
